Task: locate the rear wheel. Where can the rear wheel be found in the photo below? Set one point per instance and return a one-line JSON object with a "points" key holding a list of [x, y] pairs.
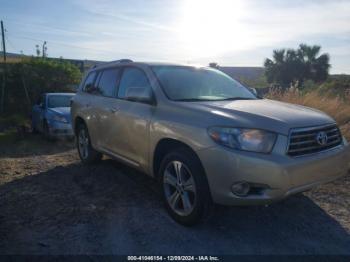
{"points": [[185, 188], [87, 154], [46, 131]]}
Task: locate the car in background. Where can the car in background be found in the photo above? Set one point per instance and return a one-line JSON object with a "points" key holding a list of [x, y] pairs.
{"points": [[51, 115]]}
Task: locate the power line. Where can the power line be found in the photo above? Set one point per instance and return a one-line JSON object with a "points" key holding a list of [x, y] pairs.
{"points": [[51, 28], [62, 44], [10, 42], [73, 46], [95, 50]]}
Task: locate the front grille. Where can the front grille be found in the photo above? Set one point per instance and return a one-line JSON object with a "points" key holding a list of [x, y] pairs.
{"points": [[303, 141]]}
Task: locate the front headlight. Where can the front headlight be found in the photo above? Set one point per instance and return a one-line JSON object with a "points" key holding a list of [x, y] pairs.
{"points": [[254, 140], [59, 118]]}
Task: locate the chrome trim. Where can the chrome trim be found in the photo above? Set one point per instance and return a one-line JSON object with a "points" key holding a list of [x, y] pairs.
{"points": [[313, 147], [303, 129], [119, 157], [320, 152]]}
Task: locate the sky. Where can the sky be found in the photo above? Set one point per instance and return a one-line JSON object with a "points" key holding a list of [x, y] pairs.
{"points": [[229, 32]]}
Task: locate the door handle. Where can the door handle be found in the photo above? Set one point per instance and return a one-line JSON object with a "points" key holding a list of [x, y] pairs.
{"points": [[113, 109]]}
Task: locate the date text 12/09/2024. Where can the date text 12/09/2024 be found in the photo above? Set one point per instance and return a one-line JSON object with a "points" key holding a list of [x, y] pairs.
{"points": [[173, 258]]}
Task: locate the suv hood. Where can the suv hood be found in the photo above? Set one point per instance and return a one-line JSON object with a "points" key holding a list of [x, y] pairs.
{"points": [[264, 114]]}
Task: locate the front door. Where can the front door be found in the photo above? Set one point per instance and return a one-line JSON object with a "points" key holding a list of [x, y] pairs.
{"points": [[86, 104], [129, 118]]}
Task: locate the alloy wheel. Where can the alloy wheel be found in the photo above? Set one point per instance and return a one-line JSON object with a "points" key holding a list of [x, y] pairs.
{"points": [[179, 188], [83, 143]]}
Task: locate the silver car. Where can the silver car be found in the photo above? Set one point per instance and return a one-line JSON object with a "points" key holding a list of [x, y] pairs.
{"points": [[205, 137]]}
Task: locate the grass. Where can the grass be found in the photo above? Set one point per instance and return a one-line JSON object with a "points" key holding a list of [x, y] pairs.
{"points": [[7, 137], [18, 142], [335, 106], [13, 120], [13, 145], [9, 125]]}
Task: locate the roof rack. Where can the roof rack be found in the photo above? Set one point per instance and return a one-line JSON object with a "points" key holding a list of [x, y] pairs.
{"points": [[124, 60]]}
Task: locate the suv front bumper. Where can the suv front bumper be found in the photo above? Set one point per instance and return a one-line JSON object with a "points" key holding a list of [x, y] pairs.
{"points": [[276, 176]]}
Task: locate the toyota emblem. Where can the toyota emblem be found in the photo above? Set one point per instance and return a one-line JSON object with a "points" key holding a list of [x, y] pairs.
{"points": [[322, 138]]}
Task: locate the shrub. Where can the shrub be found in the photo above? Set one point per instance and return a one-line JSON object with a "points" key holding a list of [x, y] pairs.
{"points": [[37, 76]]}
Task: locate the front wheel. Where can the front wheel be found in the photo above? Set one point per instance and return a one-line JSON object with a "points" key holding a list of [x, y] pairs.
{"points": [[34, 130], [185, 187], [46, 131], [87, 154]]}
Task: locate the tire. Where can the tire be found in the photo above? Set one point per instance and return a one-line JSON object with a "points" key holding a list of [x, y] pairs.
{"points": [[34, 130], [192, 203], [46, 131], [87, 154]]}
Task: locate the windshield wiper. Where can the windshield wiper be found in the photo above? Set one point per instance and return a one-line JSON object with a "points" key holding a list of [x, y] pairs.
{"points": [[192, 100], [236, 98], [213, 100]]}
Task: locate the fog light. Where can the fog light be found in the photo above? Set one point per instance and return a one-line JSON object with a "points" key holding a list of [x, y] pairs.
{"points": [[240, 188]]}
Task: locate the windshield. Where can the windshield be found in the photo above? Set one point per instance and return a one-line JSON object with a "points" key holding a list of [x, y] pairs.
{"points": [[185, 83], [59, 101]]}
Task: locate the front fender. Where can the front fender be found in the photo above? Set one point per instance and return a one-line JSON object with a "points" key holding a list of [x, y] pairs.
{"points": [[196, 138]]}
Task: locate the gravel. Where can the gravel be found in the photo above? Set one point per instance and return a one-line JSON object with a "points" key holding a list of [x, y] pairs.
{"points": [[52, 204]]}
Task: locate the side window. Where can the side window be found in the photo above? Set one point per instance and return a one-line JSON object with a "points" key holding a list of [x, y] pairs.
{"points": [[134, 85], [108, 82], [89, 83]]}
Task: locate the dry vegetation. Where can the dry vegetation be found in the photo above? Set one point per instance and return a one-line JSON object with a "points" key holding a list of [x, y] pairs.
{"points": [[335, 106]]}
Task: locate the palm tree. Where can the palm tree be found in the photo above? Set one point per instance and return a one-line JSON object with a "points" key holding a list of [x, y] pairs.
{"points": [[273, 68], [293, 67], [317, 66], [284, 69]]}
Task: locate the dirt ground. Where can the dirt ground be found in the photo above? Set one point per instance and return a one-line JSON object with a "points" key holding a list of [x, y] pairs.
{"points": [[51, 204]]}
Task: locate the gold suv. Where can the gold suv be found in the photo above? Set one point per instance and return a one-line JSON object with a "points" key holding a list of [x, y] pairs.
{"points": [[205, 137]]}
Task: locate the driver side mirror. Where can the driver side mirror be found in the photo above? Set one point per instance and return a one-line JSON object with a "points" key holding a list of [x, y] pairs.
{"points": [[140, 94], [253, 90]]}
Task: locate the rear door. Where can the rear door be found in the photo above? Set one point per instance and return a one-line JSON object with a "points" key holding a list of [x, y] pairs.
{"points": [[105, 106], [85, 104]]}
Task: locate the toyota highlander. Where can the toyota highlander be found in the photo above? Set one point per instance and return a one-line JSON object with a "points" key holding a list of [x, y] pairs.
{"points": [[204, 136]]}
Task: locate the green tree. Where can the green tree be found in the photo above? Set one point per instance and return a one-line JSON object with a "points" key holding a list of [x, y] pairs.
{"points": [[37, 76], [292, 67], [316, 65]]}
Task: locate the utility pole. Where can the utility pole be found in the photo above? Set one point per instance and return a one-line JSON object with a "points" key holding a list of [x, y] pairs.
{"points": [[44, 49], [4, 73]]}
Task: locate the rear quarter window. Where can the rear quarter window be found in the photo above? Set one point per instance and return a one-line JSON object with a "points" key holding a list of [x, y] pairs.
{"points": [[89, 84]]}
